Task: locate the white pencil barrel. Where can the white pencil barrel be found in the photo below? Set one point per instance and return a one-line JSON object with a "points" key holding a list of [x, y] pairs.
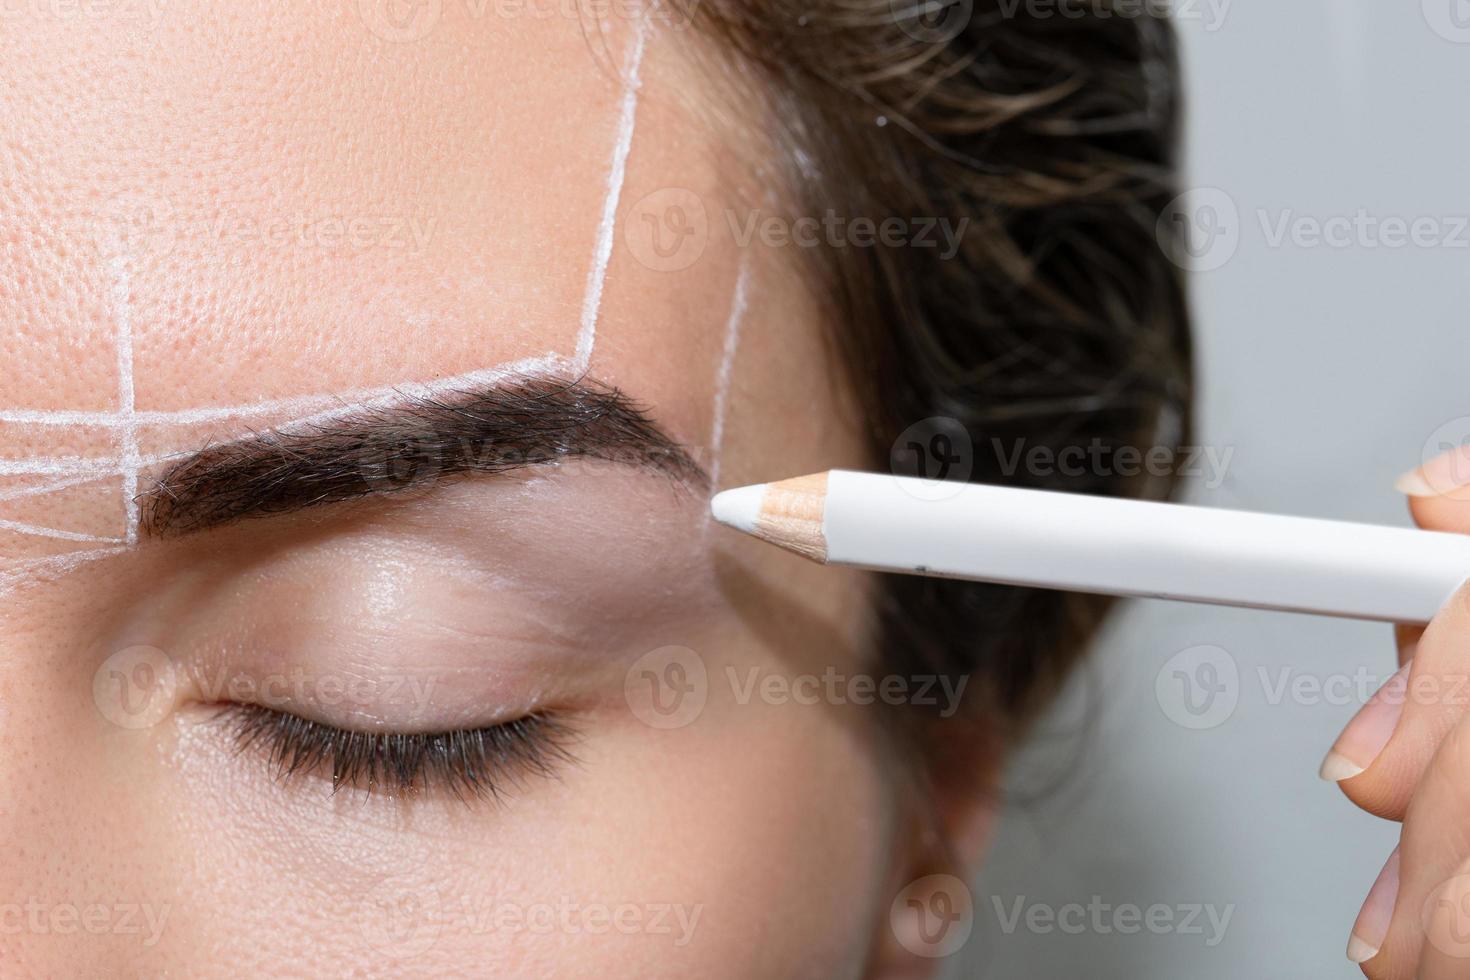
{"points": [[1125, 547]]}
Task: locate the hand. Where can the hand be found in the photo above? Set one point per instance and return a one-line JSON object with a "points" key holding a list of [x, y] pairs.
{"points": [[1406, 757]]}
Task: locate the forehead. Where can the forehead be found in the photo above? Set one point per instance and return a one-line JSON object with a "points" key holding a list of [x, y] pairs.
{"points": [[220, 217]]}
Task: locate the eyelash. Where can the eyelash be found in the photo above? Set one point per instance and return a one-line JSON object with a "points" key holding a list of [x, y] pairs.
{"points": [[475, 763]]}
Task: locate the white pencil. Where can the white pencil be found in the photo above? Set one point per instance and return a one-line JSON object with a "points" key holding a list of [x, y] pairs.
{"points": [[1104, 545]]}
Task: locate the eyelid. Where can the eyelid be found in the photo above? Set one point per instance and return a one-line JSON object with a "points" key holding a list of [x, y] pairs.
{"points": [[467, 763]]}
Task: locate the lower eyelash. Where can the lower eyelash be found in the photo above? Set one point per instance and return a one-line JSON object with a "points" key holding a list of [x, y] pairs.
{"points": [[472, 763]]}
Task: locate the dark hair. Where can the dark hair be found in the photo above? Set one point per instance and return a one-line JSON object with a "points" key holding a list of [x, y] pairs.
{"points": [[1059, 322]]}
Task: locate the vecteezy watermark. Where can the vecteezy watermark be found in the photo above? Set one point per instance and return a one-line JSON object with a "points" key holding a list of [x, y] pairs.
{"points": [[940, 450], [400, 21], [1103, 918], [1446, 917], [148, 224], [404, 916], [932, 21], [1208, 464], [134, 224], [142, 12], [1288, 685], [933, 916], [669, 688], [834, 230], [38, 918], [346, 232], [1211, 13], [941, 21], [136, 687], [407, 21], [1450, 19], [296, 687], [936, 450], [1202, 229], [1363, 229], [837, 688], [669, 229], [1445, 458], [1199, 687]]}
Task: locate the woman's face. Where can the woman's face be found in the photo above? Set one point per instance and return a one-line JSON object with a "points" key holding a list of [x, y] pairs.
{"points": [[217, 220]]}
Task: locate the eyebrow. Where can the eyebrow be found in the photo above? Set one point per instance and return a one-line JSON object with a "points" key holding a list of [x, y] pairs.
{"points": [[499, 427]]}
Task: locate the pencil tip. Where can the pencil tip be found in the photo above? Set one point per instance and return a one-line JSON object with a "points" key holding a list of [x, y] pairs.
{"points": [[739, 508]]}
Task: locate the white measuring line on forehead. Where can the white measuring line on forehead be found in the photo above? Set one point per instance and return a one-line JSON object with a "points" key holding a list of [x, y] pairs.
{"points": [[25, 571], [122, 311], [733, 322], [616, 176]]}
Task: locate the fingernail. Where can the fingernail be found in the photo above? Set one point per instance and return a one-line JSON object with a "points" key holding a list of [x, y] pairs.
{"points": [[1440, 477], [1368, 732], [1371, 927]]}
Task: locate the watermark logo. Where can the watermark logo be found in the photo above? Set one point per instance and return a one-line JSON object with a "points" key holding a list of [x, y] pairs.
{"points": [[933, 917], [400, 917], [667, 688], [1200, 229], [667, 230], [1099, 917], [1450, 19], [1199, 687], [1446, 917], [937, 450], [143, 920], [932, 21], [401, 21], [136, 687], [412, 463], [139, 224], [1445, 458]]}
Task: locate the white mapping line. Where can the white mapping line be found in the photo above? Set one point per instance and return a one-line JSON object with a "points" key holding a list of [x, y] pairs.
{"points": [[122, 306], [607, 227], [51, 532], [51, 486], [26, 571], [727, 363]]}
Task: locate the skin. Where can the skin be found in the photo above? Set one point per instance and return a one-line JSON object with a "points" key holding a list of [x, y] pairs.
{"points": [[1420, 779], [171, 148]]}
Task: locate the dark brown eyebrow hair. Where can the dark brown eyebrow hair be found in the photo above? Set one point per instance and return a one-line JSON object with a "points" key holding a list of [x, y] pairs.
{"points": [[506, 425]]}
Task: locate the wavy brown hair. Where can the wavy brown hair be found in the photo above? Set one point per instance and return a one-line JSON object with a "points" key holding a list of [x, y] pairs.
{"points": [[1059, 323]]}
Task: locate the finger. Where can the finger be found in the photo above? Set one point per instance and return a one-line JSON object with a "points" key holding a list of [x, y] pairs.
{"points": [[1439, 500], [1370, 729], [1366, 737], [1394, 737], [1371, 926], [1438, 487], [1429, 932]]}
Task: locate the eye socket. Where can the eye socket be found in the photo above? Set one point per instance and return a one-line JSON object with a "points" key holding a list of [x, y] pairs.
{"points": [[473, 763]]}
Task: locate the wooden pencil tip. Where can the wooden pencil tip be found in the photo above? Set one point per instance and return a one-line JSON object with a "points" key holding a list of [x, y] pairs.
{"points": [[788, 514]]}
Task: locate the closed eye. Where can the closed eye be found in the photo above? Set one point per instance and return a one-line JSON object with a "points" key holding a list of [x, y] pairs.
{"points": [[472, 763]]}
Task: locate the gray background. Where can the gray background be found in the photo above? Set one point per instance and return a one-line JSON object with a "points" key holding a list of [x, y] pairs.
{"points": [[1326, 370]]}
